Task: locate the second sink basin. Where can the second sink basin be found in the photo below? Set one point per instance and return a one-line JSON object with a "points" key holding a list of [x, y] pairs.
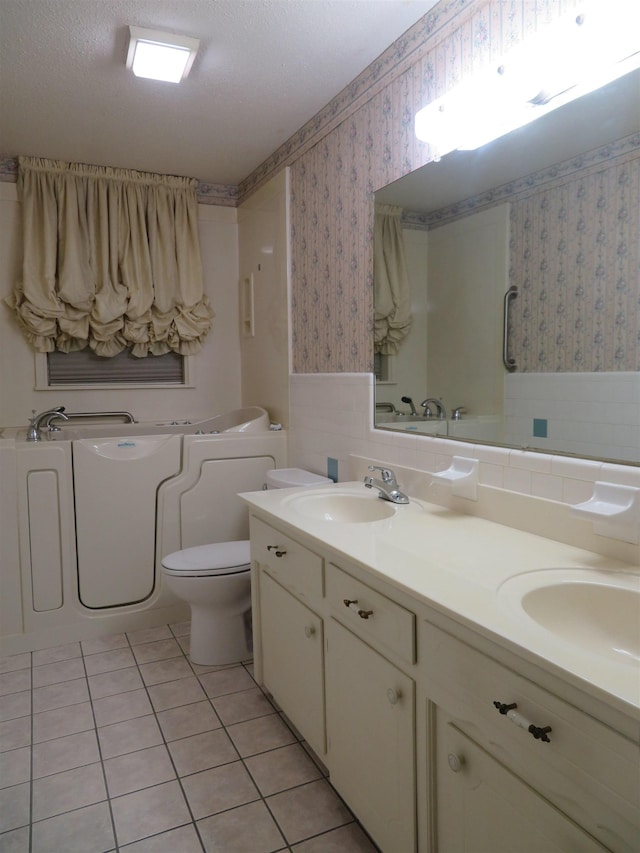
{"points": [[595, 610], [345, 508]]}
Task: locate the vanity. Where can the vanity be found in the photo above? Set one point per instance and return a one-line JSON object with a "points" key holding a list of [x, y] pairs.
{"points": [[449, 718]]}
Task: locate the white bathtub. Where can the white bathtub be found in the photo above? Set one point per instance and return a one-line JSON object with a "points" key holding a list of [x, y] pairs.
{"points": [[84, 521]]}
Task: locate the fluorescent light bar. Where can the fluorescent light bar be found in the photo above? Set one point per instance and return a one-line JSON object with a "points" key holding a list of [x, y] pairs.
{"points": [[160, 56], [576, 55]]}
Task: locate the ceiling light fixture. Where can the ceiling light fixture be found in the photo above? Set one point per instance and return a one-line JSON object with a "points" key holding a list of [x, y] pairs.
{"points": [[577, 55], [160, 56]]}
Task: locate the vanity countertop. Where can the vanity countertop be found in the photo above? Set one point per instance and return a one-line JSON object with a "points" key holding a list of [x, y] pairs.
{"points": [[457, 565]]}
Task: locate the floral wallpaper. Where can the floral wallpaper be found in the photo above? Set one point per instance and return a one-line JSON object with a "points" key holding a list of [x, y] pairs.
{"points": [[332, 217]]}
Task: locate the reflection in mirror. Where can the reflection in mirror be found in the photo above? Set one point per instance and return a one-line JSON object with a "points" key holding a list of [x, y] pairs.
{"points": [[553, 211]]}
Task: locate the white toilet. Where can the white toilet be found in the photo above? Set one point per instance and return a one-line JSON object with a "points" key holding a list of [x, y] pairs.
{"points": [[215, 580]]}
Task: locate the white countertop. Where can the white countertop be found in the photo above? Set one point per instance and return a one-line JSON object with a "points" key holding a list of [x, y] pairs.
{"points": [[456, 564]]}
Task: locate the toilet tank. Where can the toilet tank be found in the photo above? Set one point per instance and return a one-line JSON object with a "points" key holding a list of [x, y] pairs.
{"points": [[289, 478]]}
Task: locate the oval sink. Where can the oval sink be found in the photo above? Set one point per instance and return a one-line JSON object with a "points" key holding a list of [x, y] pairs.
{"points": [[600, 614], [349, 509]]}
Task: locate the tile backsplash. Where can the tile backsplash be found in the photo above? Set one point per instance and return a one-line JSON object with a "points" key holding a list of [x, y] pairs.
{"points": [[331, 416]]}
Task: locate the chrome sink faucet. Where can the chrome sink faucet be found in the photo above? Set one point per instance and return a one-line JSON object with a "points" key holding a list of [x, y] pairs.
{"points": [[441, 412], [35, 424], [387, 486]]}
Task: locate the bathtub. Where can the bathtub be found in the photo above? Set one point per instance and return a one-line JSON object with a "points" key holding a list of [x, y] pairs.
{"points": [[86, 516]]}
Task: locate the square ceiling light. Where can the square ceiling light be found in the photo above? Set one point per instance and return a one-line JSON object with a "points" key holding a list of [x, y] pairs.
{"points": [[160, 56]]}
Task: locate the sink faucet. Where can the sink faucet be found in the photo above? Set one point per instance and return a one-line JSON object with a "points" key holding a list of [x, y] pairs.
{"points": [[387, 486], [441, 412], [35, 424]]}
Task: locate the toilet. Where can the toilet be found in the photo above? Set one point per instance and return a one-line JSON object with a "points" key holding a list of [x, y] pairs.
{"points": [[215, 580]]}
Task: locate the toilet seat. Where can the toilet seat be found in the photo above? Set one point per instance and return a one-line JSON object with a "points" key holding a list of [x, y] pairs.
{"points": [[219, 558]]}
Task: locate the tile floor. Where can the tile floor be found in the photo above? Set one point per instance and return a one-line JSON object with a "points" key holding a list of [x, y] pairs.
{"points": [[122, 744]]}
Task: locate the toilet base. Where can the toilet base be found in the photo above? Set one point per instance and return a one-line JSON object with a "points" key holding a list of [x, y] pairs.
{"points": [[218, 641]]}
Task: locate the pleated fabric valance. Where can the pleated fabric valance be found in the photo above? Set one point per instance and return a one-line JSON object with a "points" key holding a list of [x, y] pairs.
{"points": [[111, 259], [392, 290]]}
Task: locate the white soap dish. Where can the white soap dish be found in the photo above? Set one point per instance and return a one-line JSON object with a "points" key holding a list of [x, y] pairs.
{"points": [[614, 510], [462, 476]]}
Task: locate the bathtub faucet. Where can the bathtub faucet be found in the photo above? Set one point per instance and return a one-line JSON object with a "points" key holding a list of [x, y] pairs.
{"points": [[35, 424]]}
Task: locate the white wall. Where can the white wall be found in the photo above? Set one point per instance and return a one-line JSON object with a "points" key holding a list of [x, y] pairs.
{"points": [[216, 373], [263, 234]]}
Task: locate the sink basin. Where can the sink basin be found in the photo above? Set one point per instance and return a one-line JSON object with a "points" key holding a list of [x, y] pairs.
{"points": [[349, 509], [595, 610]]}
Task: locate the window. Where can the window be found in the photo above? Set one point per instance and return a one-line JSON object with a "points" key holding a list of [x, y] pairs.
{"points": [[86, 369]]}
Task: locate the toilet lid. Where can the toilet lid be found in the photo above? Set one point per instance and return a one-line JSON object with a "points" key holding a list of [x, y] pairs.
{"points": [[220, 558]]}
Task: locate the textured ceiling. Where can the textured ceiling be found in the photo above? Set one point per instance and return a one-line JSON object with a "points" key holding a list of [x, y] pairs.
{"points": [[265, 67]]}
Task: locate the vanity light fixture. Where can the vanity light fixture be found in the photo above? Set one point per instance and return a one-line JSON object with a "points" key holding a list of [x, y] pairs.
{"points": [[578, 54], [160, 56]]}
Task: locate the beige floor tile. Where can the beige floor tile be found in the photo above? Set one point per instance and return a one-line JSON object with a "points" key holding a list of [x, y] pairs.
{"points": [[281, 769], [129, 736], [118, 681], [218, 789], [104, 644], [149, 635], [137, 770], [165, 670], [124, 706], [64, 792], [345, 839], [240, 830], [182, 840], [86, 830], [202, 751], [59, 722], [15, 682], [149, 812], [10, 663], [64, 753], [226, 681], [59, 653], [160, 650], [238, 707], [15, 733], [53, 673], [15, 705], [60, 695], [172, 694], [14, 807], [16, 841], [188, 720], [308, 810], [180, 629], [108, 661], [260, 735], [15, 766]]}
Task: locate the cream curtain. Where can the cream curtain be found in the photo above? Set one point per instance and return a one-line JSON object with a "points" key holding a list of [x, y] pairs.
{"points": [[392, 292], [111, 259]]}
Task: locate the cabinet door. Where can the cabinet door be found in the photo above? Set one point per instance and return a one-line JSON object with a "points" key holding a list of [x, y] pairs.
{"points": [[370, 738], [292, 659], [484, 808]]}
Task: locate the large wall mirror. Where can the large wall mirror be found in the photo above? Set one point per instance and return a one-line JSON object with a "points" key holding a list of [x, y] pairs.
{"points": [[524, 266]]}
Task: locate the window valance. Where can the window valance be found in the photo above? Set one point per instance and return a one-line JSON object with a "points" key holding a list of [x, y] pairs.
{"points": [[111, 259], [392, 289]]}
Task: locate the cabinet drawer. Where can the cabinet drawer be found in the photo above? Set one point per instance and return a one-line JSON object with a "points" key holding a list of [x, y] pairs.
{"points": [[371, 615], [587, 770], [293, 565]]}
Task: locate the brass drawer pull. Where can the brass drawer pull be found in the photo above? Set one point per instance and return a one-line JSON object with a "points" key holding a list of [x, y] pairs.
{"points": [[509, 711], [351, 603], [277, 549]]}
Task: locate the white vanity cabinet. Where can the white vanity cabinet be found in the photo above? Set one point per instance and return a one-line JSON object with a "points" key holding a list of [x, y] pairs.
{"points": [[371, 709], [407, 702], [288, 634], [499, 787]]}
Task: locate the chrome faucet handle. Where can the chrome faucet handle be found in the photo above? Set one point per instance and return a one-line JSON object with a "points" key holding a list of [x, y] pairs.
{"points": [[387, 474]]}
